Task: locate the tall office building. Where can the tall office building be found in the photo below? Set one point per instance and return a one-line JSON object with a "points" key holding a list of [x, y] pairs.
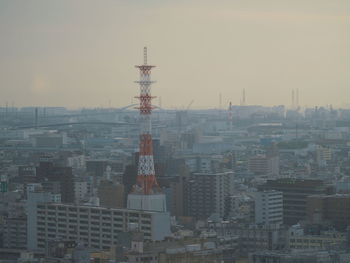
{"points": [[330, 209], [295, 191], [47, 172]]}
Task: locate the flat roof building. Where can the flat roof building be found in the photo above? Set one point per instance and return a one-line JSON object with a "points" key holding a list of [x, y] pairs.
{"points": [[331, 209], [96, 227], [295, 191]]}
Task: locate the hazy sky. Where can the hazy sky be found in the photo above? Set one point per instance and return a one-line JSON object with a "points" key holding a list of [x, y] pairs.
{"points": [[82, 53]]}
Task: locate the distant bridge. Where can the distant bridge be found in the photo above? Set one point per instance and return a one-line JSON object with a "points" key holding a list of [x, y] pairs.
{"points": [[102, 112], [74, 123]]}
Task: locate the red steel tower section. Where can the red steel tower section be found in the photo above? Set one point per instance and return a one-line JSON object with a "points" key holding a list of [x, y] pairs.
{"points": [[146, 179]]}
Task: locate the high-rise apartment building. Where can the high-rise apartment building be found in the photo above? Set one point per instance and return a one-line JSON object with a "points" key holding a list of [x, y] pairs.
{"points": [[34, 198], [46, 171], [207, 192]]}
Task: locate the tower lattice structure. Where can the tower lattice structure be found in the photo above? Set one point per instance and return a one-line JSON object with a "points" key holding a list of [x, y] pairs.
{"points": [[146, 182]]}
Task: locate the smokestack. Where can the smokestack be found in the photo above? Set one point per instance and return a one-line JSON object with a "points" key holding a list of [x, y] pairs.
{"points": [[243, 98], [297, 98], [36, 118]]}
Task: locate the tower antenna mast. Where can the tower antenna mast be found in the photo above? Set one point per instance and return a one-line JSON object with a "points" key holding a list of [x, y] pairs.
{"points": [[146, 179]]}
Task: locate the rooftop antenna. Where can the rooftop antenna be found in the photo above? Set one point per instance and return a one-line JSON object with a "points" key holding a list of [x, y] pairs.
{"points": [[36, 112], [145, 55]]}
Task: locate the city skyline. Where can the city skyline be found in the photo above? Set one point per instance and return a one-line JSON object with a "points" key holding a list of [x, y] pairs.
{"points": [[174, 131]]}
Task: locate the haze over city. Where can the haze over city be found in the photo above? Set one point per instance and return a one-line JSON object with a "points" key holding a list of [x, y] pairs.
{"points": [[82, 53], [187, 131]]}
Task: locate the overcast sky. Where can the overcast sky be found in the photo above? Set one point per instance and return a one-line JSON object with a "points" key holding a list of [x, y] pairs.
{"points": [[82, 53]]}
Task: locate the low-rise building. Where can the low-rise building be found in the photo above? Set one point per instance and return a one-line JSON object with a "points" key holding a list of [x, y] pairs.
{"points": [[299, 257], [297, 239]]}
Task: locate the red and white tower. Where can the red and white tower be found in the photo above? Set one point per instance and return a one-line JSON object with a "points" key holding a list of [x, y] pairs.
{"points": [[146, 178], [146, 194]]}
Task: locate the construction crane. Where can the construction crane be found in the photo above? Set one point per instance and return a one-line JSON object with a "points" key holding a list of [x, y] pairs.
{"points": [[189, 105]]}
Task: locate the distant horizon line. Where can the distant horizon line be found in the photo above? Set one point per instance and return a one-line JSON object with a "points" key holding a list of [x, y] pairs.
{"points": [[180, 108]]}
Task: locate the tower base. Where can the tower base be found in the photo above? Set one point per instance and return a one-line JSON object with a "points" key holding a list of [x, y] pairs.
{"points": [[152, 202]]}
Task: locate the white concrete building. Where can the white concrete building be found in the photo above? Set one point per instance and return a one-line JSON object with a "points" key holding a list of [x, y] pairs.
{"points": [[269, 207], [76, 161], [81, 190], [152, 202]]}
